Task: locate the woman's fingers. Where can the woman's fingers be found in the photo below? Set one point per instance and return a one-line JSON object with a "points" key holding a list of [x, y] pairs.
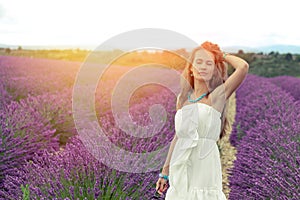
{"points": [[157, 185], [165, 187], [161, 186]]}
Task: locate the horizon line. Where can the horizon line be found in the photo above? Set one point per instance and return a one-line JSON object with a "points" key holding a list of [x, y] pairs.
{"points": [[91, 47]]}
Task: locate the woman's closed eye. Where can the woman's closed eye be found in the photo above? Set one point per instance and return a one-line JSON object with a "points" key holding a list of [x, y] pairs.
{"points": [[199, 61], [208, 62]]}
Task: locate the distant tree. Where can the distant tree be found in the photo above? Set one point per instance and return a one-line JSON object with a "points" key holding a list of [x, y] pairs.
{"points": [[7, 50], [274, 54], [240, 51], [288, 57], [19, 48]]}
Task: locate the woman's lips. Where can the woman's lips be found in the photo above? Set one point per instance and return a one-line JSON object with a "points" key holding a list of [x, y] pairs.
{"points": [[202, 73]]}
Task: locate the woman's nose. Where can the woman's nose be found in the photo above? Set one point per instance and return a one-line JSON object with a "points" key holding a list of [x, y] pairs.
{"points": [[200, 67]]}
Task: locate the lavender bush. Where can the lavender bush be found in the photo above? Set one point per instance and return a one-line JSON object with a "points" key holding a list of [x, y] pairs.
{"points": [[289, 84], [140, 116], [56, 108], [23, 132], [5, 97], [267, 165], [258, 99], [74, 173], [268, 158]]}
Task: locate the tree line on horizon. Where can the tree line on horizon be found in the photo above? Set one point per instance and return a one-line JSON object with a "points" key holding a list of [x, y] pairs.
{"points": [[263, 64]]}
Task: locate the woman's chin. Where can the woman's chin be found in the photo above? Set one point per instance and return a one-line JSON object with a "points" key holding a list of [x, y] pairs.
{"points": [[202, 78]]}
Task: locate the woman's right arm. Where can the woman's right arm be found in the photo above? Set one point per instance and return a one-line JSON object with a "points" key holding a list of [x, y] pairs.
{"points": [[161, 184], [166, 166]]}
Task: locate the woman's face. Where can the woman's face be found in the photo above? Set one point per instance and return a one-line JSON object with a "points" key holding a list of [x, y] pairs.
{"points": [[203, 65]]}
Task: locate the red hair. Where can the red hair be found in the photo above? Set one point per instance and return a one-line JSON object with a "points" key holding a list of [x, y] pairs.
{"points": [[218, 58]]}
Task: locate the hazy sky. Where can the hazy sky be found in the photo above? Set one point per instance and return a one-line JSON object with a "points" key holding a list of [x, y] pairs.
{"points": [[226, 22]]}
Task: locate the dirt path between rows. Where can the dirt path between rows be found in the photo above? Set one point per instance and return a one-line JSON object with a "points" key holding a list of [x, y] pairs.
{"points": [[227, 151]]}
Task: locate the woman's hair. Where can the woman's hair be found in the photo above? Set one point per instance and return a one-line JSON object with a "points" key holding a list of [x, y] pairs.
{"points": [[219, 77]]}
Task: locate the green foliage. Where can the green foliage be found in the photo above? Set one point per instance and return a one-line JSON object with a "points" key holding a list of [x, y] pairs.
{"points": [[272, 64], [25, 191]]}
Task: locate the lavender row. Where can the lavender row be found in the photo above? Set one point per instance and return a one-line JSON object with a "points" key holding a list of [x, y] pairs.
{"points": [[289, 84], [74, 173], [24, 131], [24, 75], [258, 99], [266, 135]]}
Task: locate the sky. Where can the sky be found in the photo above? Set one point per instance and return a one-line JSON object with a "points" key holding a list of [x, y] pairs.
{"points": [[248, 23]]}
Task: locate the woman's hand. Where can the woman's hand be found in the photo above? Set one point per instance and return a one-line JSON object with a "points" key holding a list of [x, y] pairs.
{"points": [[162, 185]]}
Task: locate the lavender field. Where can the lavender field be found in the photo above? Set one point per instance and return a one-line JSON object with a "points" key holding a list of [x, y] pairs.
{"points": [[43, 157]]}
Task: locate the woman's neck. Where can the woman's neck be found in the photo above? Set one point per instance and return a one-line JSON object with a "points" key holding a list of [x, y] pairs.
{"points": [[200, 88]]}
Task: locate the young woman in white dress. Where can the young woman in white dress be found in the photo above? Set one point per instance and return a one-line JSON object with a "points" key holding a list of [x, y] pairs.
{"points": [[192, 169]]}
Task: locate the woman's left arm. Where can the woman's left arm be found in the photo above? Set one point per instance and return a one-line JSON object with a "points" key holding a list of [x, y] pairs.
{"points": [[237, 77]]}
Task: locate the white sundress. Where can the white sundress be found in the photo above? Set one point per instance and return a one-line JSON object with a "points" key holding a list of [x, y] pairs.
{"points": [[195, 167]]}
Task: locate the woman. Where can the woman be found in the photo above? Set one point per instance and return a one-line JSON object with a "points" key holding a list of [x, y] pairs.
{"points": [[193, 167]]}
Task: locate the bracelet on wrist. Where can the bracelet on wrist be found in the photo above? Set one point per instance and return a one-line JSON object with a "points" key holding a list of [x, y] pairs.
{"points": [[163, 176], [224, 55]]}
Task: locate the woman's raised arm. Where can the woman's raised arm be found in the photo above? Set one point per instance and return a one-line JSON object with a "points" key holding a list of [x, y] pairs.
{"points": [[237, 77]]}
